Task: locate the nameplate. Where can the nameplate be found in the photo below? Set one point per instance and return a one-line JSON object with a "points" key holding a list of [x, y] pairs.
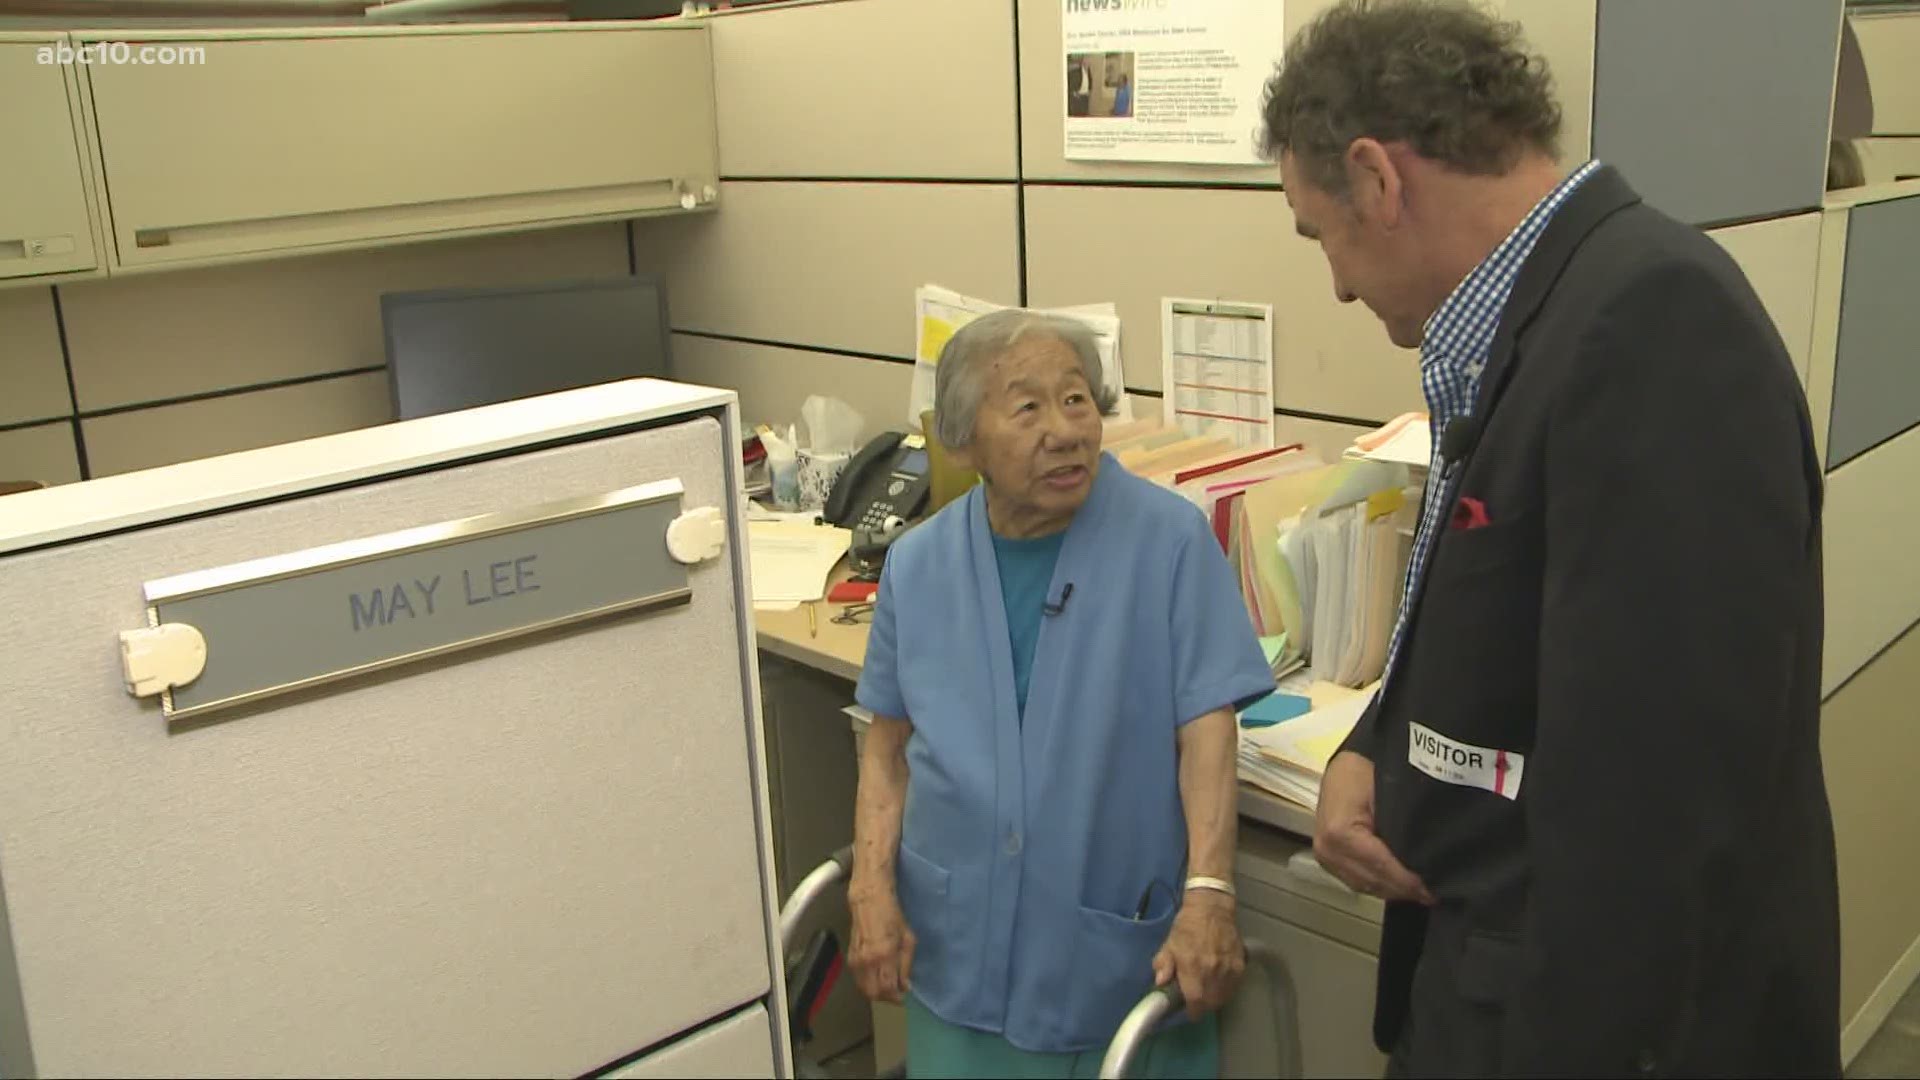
{"points": [[307, 618]]}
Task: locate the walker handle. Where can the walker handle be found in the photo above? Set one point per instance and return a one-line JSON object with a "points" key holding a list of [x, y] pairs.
{"points": [[1160, 1003], [837, 868]]}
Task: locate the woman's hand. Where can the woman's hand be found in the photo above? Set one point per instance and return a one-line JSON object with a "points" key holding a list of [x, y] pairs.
{"points": [[882, 949], [1203, 953]]}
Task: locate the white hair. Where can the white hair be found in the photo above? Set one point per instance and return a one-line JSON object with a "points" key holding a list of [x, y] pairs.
{"points": [[960, 379]]}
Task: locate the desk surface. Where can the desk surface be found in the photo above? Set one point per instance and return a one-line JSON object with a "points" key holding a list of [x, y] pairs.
{"points": [[840, 650], [822, 644]]}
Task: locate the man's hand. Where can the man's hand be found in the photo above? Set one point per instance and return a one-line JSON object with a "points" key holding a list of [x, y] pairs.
{"points": [[882, 948], [1344, 841], [1203, 952]]}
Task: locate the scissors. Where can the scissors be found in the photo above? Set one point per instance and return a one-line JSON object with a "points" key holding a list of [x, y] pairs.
{"points": [[855, 614]]}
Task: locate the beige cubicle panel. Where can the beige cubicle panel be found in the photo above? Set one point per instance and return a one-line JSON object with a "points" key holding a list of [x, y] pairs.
{"points": [[160, 336], [1323, 438], [832, 265], [1889, 44], [867, 88], [33, 378], [44, 453], [1781, 258], [1872, 578], [1868, 744], [1560, 30], [1563, 33], [1889, 159], [774, 381], [164, 434], [1134, 246]]}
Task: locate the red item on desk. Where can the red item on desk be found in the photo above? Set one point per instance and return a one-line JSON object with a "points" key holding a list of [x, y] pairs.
{"points": [[852, 592]]}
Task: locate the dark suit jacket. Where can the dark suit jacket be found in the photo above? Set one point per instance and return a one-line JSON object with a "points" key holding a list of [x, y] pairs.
{"points": [[1640, 622]]}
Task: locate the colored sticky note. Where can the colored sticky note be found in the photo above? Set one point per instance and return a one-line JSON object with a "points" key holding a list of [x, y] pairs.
{"points": [[1382, 503], [1273, 709], [934, 334], [1273, 647]]}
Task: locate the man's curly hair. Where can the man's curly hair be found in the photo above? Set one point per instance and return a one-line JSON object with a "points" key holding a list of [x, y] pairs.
{"points": [[1453, 82]]}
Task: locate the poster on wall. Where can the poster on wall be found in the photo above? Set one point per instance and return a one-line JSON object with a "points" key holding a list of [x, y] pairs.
{"points": [[1168, 80]]}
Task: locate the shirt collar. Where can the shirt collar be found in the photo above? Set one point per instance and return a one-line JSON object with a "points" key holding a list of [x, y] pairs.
{"points": [[1460, 332]]}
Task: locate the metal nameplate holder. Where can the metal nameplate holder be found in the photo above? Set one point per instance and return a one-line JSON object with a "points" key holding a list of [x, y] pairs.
{"points": [[234, 635]]}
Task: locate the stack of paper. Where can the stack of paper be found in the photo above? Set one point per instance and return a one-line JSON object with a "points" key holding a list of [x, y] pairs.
{"points": [[1289, 759], [1317, 549], [1160, 459], [1407, 439], [1270, 587], [791, 561], [1348, 561], [1326, 556]]}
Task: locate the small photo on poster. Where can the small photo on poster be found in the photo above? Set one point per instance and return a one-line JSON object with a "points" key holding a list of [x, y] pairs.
{"points": [[1099, 85]]}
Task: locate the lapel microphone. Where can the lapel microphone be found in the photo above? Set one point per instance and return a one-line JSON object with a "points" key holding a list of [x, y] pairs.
{"points": [[1460, 438], [1055, 609]]}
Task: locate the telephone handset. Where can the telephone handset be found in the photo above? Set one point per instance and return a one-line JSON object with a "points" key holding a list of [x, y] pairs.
{"points": [[890, 477]]}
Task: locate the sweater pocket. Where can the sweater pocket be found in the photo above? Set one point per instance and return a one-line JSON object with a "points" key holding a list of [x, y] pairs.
{"points": [[1112, 970], [924, 889]]}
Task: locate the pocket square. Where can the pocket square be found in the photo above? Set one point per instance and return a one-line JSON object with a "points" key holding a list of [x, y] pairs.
{"points": [[1470, 513]]}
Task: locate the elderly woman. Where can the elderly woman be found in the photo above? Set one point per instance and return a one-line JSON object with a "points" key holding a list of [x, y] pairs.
{"points": [[1045, 822]]}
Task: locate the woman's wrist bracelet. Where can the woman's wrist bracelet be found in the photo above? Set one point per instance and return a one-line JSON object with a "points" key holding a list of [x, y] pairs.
{"points": [[1212, 884]]}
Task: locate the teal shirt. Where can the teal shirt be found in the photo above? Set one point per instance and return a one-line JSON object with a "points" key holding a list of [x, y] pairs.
{"points": [[1026, 569]]}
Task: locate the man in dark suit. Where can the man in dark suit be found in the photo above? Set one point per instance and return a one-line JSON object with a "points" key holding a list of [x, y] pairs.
{"points": [[1079, 87], [1590, 786]]}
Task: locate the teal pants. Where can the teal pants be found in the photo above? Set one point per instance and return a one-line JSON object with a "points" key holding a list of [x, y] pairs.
{"points": [[936, 1048]]}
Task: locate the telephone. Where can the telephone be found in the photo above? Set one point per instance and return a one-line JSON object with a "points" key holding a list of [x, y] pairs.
{"points": [[890, 477]]}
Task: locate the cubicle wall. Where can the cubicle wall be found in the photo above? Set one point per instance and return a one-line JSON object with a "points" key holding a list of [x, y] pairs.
{"points": [[856, 169], [872, 146], [1886, 133], [1876, 385], [866, 149], [1718, 109], [107, 376], [1866, 404], [507, 862], [1866, 399], [1889, 41]]}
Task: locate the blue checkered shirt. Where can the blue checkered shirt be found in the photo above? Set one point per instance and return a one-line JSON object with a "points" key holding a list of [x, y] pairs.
{"points": [[1453, 353]]}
